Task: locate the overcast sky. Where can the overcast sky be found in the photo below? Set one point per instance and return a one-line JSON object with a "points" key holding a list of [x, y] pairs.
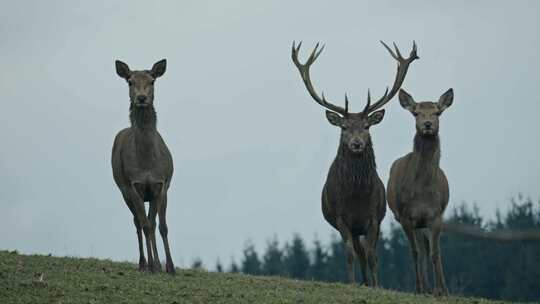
{"points": [[251, 149]]}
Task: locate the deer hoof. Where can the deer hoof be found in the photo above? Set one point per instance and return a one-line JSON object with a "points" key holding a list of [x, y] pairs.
{"points": [[142, 265], [157, 266], [440, 292], [169, 267], [151, 267]]}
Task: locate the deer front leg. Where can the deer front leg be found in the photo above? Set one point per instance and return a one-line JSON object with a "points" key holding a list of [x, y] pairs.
{"points": [[349, 251], [138, 205], [409, 232], [371, 244], [142, 259], [362, 259], [138, 229]]}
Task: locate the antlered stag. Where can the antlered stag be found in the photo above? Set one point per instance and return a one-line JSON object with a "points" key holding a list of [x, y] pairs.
{"points": [[353, 197], [418, 189]]}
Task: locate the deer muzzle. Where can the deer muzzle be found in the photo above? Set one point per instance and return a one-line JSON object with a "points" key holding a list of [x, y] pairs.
{"points": [[357, 146]]}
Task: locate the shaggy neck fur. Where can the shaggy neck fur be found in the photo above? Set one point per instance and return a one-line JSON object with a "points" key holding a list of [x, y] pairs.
{"points": [[143, 122], [424, 160], [355, 171], [142, 118]]}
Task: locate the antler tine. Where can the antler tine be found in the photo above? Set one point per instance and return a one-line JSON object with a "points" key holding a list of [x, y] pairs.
{"points": [[397, 50], [304, 73], [402, 68], [389, 50], [368, 102], [315, 54]]}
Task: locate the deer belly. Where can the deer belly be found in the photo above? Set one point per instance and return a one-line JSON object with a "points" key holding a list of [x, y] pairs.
{"points": [[357, 217], [421, 213], [148, 186], [427, 194]]}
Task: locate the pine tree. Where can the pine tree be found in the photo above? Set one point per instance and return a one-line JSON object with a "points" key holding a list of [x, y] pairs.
{"points": [[251, 263], [234, 267], [318, 268], [273, 259], [197, 264], [219, 267], [296, 258], [336, 262]]}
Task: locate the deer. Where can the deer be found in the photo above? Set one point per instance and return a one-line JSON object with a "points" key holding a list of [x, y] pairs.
{"points": [[142, 165], [418, 191], [353, 196]]}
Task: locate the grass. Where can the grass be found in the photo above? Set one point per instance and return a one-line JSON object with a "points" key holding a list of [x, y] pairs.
{"points": [[46, 279]]}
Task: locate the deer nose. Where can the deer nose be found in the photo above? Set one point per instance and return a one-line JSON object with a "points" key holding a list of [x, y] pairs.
{"points": [[357, 145], [141, 98], [428, 124]]}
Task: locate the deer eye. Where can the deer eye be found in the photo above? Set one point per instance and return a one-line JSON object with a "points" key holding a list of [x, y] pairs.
{"points": [[152, 82], [130, 83], [438, 113], [415, 114]]}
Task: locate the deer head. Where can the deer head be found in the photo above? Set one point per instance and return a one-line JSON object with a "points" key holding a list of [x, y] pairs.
{"points": [[426, 113], [354, 126], [141, 83]]}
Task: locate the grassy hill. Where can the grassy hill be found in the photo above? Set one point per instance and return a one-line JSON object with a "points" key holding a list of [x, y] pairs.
{"points": [[45, 279]]}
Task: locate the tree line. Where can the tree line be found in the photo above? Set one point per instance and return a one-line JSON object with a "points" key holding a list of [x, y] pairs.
{"points": [[473, 267]]}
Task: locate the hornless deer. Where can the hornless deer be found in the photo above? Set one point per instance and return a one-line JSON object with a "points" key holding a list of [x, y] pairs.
{"points": [[353, 197], [418, 189], [142, 164]]}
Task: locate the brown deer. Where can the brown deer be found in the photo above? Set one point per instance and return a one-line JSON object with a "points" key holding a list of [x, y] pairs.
{"points": [[353, 197], [142, 164], [418, 189]]}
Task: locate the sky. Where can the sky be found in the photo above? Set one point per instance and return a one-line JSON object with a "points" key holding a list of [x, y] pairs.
{"points": [[251, 149]]}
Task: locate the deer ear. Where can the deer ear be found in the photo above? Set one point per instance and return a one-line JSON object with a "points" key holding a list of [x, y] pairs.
{"points": [[334, 118], [376, 117], [406, 100], [122, 69], [446, 99], [158, 69]]}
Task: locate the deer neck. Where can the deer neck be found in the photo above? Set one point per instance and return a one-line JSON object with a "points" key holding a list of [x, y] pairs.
{"points": [[427, 149], [143, 123], [424, 160], [356, 169]]}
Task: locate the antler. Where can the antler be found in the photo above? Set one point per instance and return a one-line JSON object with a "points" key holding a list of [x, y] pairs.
{"points": [[403, 66], [304, 72]]}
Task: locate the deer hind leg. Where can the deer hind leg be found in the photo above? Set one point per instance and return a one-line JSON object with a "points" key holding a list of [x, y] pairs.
{"points": [[438, 274], [164, 230], [409, 232], [138, 230], [371, 249], [349, 250], [362, 259]]}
